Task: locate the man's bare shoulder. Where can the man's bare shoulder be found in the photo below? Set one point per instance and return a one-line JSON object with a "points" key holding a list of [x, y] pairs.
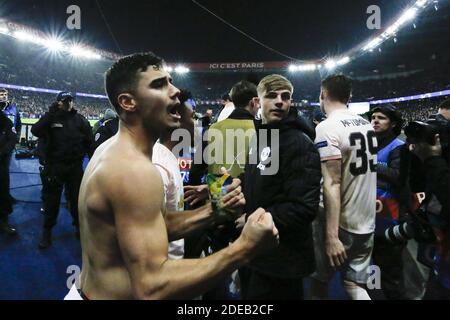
{"points": [[122, 171]]}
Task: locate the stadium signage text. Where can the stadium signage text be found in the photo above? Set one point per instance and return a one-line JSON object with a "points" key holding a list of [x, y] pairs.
{"points": [[244, 65]]}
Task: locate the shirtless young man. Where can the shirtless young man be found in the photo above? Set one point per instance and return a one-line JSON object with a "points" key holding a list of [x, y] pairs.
{"points": [[124, 229]]}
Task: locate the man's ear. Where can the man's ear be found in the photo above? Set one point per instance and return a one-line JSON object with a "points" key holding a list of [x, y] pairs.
{"points": [[256, 103], [127, 102], [322, 94]]}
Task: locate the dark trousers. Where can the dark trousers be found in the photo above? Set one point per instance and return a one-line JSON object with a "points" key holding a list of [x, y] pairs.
{"points": [[59, 176], [5, 200], [389, 257], [258, 286]]}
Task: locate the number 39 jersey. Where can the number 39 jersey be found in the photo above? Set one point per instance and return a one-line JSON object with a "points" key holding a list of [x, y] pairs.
{"points": [[350, 138]]}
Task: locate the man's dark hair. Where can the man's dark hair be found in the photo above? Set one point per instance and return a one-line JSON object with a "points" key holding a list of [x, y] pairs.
{"points": [[123, 75], [339, 88], [226, 97], [393, 114], [3, 90], [445, 104], [242, 93]]}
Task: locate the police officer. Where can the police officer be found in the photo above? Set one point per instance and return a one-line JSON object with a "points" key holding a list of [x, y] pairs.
{"points": [[69, 138], [106, 128], [12, 113], [7, 143]]}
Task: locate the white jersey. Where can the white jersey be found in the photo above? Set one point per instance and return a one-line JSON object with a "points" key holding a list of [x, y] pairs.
{"points": [[350, 138], [167, 164]]}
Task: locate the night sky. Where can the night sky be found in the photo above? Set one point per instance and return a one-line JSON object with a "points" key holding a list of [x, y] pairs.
{"points": [[182, 31]]}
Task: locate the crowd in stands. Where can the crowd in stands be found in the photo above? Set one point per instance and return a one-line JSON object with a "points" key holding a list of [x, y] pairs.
{"points": [[33, 105], [27, 65]]}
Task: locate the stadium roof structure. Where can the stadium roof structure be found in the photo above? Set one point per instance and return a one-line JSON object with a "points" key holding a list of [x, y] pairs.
{"points": [[171, 25]]}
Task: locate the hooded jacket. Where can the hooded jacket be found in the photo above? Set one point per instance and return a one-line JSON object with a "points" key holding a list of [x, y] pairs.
{"points": [[291, 196]]}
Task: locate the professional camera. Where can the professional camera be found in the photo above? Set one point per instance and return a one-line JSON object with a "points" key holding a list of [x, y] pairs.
{"points": [[415, 227], [424, 132]]}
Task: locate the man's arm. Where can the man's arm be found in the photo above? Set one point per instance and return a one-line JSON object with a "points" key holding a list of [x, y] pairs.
{"points": [[142, 237], [331, 171], [391, 171], [182, 224], [40, 128]]}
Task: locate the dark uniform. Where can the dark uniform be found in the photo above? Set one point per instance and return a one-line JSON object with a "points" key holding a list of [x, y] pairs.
{"points": [[12, 113], [105, 131], [69, 138], [7, 143]]}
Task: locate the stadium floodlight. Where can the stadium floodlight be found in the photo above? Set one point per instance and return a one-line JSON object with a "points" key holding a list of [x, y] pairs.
{"points": [[4, 30], [307, 67], [169, 69], [78, 51], [343, 61], [408, 15], [391, 30], [373, 44], [53, 44], [181, 70], [421, 3], [24, 36], [293, 68], [331, 64]]}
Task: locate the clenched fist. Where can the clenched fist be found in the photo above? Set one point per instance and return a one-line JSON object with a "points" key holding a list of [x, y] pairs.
{"points": [[259, 233]]}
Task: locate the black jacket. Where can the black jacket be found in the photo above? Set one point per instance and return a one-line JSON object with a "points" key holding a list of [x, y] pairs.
{"points": [[291, 196], [107, 130], [69, 135], [438, 183], [7, 136], [389, 175]]}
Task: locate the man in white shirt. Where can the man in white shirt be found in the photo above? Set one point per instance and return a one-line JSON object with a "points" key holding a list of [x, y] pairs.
{"points": [[348, 149], [167, 164]]}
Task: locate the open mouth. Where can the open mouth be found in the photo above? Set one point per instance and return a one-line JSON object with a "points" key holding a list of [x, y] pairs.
{"points": [[174, 111]]}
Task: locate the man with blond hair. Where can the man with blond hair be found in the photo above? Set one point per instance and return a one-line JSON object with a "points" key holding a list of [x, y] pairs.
{"points": [[284, 179]]}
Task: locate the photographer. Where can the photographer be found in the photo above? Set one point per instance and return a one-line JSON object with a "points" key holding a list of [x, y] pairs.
{"points": [[430, 142], [387, 122], [69, 138]]}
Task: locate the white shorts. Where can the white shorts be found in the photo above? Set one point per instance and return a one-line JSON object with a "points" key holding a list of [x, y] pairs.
{"points": [[359, 253], [73, 294]]}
